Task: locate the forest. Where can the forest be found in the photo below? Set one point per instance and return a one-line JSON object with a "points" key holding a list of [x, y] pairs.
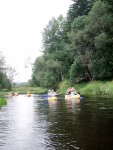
{"points": [[78, 47]]}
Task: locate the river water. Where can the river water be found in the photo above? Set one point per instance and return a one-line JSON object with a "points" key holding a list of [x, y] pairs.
{"points": [[33, 123]]}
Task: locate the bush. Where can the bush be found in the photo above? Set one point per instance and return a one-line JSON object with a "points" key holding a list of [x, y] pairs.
{"points": [[2, 102]]}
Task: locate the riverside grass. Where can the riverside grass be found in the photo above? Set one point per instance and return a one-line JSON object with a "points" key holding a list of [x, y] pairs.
{"points": [[23, 90], [95, 88], [32, 90], [2, 101]]}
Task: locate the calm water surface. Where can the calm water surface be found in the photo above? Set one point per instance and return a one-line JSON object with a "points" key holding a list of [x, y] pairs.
{"points": [[32, 123]]}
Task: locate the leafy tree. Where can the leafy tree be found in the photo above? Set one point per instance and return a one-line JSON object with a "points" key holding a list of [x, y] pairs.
{"points": [[39, 65], [77, 71], [55, 46], [92, 41], [100, 27], [79, 47], [4, 80], [46, 72], [78, 8]]}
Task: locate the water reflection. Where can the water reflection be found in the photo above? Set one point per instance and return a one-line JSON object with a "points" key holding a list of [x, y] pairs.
{"points": [[72, 105], [19, 125], [33, 123], [52, 104]]}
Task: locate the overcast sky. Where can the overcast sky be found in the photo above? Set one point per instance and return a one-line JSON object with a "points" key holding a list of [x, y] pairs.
{"points": [[21, 24]]}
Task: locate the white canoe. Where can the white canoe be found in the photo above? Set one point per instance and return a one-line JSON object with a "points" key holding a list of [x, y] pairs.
{"points": [[72, 97]]}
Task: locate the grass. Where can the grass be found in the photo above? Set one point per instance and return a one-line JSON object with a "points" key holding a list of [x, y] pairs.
{"points": [[33, 90], [95, 88], [2, 101], [23, 90], [63, 87]]}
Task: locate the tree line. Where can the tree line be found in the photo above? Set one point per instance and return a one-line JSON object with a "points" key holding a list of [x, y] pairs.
{"points": [[6, 74], [78, 47]]}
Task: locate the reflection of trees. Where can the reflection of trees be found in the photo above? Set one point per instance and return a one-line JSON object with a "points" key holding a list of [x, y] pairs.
{"points": [[94, 131], [81, 125], [52, 104], [72, 104], [63, 124]]}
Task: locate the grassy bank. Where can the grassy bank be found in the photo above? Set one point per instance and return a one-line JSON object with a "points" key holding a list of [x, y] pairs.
{"points": [[33, 90], [2, 102], [96, 88], [23, 90]]}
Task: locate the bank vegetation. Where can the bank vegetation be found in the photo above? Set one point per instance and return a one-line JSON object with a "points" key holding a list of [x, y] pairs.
{"points": [[77, 49]]}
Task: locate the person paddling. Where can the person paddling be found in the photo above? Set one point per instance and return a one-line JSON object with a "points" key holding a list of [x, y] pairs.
{"points": [[73, 92], [51, 93]]}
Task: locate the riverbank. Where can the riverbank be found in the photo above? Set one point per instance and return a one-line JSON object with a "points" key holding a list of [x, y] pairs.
{"points": [[2, 102], [23, 90], [32, 90], [95, 88]]}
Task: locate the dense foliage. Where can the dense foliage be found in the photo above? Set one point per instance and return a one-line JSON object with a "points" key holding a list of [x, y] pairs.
{"points": [[5, 80], [78, 47], [2, 102]]}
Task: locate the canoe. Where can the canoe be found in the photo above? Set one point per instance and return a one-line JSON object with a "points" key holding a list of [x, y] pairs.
{"points": [[14, 94], [72, 97], [28, 95], [52, 98]]}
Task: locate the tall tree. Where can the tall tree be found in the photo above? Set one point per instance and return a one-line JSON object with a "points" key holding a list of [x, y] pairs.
{"points": [[55, 45], [78, 8], [4, 80], [92, 39]]}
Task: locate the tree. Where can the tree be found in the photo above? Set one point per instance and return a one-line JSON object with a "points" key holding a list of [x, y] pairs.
{"points": [[78, 8], [46, 72], [4, 80], [92, 41]]}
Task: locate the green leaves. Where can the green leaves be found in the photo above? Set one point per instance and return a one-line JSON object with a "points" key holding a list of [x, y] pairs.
{"points": [[5, 80], [101, 40], [79, 47]]}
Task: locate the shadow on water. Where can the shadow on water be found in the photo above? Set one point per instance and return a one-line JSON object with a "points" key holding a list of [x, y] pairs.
{"points": [[34, 123]]}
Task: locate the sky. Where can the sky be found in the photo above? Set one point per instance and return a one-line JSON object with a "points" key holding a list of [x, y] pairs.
{"points": [[21, 27]]}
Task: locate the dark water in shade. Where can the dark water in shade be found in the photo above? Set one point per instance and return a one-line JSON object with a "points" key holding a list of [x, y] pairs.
{"points": [[31, 123]]}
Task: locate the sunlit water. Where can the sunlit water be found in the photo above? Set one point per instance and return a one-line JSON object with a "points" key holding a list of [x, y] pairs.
{"points": [[32, 123]]}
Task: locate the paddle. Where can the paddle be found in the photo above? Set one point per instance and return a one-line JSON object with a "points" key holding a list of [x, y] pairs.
{"points": [[44, 96]]}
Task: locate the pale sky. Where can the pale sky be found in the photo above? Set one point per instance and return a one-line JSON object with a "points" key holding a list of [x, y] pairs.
{"points": [[21, 25]]}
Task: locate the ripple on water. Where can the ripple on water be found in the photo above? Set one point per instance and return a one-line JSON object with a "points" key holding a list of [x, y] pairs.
{"points": [[31, 123]]}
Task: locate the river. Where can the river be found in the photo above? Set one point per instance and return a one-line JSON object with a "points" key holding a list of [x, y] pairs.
{"points": [[33, 123]]}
